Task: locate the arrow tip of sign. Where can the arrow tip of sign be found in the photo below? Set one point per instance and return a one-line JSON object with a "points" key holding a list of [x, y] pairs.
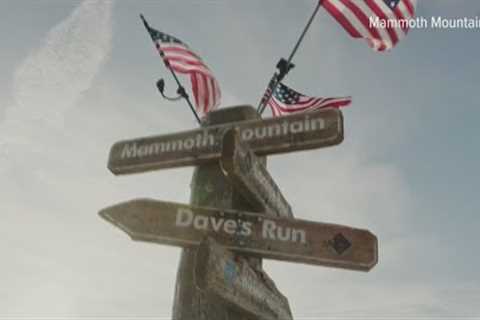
{"points": [[111, 215], [120, 215], [106, 215]]}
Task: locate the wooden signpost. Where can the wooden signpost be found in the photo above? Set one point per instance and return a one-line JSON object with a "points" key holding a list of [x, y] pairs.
{"points": [[265, 136], [232, 279], [252, 234], [250, 176], [237, 215]]}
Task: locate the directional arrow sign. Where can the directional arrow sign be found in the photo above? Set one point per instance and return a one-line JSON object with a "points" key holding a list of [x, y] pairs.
{"points": [[252, 234], [230, 278], [251, 177], [302, 131]]}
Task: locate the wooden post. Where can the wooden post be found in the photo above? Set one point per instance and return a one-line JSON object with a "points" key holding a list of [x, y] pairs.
{"points": [[215, 281], [210, 188]]}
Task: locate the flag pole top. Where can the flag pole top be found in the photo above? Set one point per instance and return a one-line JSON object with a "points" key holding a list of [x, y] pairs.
{"points": [[144, 21]]}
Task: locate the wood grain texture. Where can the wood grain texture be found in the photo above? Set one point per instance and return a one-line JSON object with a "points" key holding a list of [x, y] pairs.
{"points": [[231, 279], [251, 177]]}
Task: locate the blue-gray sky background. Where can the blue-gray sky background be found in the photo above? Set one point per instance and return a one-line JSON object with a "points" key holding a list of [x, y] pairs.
{"points": [[78, 76]]}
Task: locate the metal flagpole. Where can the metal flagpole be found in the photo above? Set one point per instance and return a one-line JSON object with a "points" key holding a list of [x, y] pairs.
{"points": [[284, 66], [181, 90]]}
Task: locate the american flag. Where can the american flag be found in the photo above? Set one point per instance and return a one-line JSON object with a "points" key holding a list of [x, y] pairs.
{"points": [[182, 59], [286, 100], [360, 17]]}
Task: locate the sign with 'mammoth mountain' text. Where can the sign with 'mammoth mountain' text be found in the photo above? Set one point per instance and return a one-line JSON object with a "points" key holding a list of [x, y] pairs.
{"points": [[302, 131]]}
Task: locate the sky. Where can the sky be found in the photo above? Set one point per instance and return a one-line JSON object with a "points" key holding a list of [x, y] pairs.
{"points": [[78, 76]]}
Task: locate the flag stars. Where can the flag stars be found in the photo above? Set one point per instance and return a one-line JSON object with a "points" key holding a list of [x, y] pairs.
{"points": [[286, 100], [165, 38], [286, 95]]}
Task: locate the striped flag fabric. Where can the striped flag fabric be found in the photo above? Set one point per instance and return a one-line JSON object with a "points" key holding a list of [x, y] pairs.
{"points": [[383, 23], [178, 56], [286, 101]]}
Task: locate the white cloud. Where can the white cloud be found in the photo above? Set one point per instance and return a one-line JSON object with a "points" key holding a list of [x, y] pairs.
{"points": [[47, 84], [52, 78]]}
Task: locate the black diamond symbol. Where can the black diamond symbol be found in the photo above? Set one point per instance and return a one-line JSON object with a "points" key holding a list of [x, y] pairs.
{"points": [[340, 243]]}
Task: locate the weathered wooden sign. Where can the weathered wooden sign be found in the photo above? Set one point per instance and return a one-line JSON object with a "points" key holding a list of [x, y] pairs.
{"points": [[251, 177], [302, 131], [230, 278], [252, 234]]}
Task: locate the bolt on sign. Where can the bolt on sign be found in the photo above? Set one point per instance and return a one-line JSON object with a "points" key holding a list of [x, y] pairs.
{"points": [[230, 278], [252, 234], [250, 176], [295, 132]]}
